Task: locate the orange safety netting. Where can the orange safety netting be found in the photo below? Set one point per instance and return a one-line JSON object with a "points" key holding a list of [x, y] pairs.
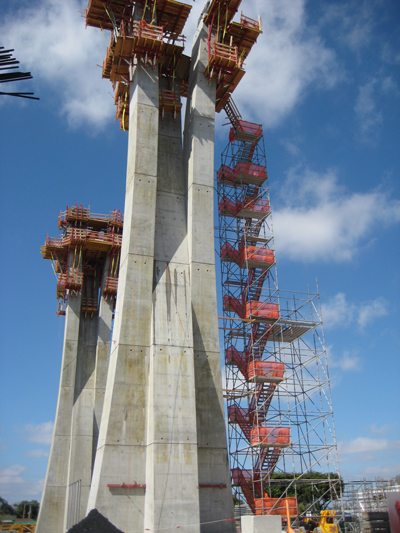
{"points": [[233, 304], [225, 173], [237, 473], [274, 506], [262, 310], [269, 436], [247, 253], [267, 369], [229, 207], [254, 253], [250, 169], [245, 127]]}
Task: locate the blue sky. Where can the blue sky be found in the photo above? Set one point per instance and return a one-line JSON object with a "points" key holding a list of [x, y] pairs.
{"points": [[324, 81]]}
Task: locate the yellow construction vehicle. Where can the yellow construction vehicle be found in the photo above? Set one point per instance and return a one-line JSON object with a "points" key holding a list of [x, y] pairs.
{"points": [[325, 523], [17, 527]]}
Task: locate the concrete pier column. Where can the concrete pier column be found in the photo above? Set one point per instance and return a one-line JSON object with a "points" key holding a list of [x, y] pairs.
{"points": [[52, 507], [172, 494], [216, 504], [91, 370], [121, 452], [106, 309]]}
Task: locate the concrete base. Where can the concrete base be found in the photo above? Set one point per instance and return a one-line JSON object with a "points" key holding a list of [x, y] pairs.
{"points": [[261, 524]]}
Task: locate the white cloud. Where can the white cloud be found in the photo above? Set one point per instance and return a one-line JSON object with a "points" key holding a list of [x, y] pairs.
{"points": [[40, 433], [339, 312], [51, 41], [379, 430], [348, 361], [371, 311], [320, 220], [351, 23], [14, 486], [37, 454], [366, 111], [365, 445], [383, 471], [288, 59]]}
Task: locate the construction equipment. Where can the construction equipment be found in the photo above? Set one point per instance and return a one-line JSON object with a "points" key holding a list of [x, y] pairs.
{"points": [[325, 523], [21, 527]]}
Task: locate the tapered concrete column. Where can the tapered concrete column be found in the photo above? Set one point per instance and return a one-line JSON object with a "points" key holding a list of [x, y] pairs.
{"points": [[52, 508], [121, 452], [172, 494], [215, 503], [91, 371], [106, 309]]}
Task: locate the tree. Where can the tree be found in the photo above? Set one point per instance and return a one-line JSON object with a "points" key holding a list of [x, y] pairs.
{"points": [[312, 489], [27, 509], [5, 507]]}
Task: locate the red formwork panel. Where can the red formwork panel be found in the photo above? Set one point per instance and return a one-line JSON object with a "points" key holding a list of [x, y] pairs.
{"points": [[265, 371], [274, 437]]}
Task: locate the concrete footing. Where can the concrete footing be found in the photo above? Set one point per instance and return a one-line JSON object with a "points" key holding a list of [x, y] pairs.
{"points": [[261, 524]]}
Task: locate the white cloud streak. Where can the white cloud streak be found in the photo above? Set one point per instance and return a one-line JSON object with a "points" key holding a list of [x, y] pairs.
{"points": [[339, 312], [369, 117], [347, 362], [14, 486], [40, 433], [51, 41], [288, 59], [321, 220], [37, 454], [366, 445]]}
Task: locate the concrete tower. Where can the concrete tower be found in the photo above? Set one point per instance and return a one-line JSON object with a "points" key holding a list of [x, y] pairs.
{"points": [[161, 460]]}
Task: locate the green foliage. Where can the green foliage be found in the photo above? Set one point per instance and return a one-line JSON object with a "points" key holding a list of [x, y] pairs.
{"points": [[312, 489], [5, 507], [27, 509]]}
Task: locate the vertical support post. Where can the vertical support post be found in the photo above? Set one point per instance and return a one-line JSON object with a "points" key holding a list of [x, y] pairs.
{"points": [[121, 450], [215, 504]]}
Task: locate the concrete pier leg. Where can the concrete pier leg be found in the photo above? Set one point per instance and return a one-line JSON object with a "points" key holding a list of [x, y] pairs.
{"points": [[216, 504], [52, 508], [172, 494], [121, 451], [106, 310], [94, 339]]}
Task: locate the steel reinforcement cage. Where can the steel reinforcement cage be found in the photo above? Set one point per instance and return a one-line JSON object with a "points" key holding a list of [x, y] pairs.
{"points": [[281, 433]]}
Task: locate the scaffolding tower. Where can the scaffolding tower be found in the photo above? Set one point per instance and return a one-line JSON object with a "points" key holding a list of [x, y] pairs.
{"points": [[280, 420]]}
